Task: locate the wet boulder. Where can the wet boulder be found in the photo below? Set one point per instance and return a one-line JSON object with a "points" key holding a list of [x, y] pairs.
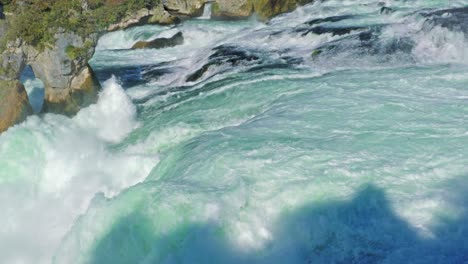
{"points": [[131, 75], [366, 43], [160, 43], [455, 19], [386, 10], [328, 19], [225, 55], [333, 30]]}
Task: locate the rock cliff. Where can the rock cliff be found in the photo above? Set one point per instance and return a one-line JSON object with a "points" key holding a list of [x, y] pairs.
{"points": [[68, 79], [190, 8], [14, 104], [59, 47], [264, 9]]}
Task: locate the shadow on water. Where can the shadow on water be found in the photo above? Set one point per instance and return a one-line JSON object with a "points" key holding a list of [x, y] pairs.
{"points": [[362, 230]]}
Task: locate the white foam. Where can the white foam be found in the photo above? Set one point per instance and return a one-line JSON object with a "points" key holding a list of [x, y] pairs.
{"points": [[53, 166], [206, 11], [114, 115], [124, 39], [441, 45], [35, 90]]}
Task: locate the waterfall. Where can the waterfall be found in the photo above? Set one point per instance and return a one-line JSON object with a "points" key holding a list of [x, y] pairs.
{"points": [[336, 133], [206, 11]]}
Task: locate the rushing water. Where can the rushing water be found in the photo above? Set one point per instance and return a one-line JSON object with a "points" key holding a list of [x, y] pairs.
{"points": [[333, 134]]}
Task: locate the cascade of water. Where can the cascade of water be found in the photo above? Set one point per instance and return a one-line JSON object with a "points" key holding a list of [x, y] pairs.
{"points": [[207, 11], [332, 134]]}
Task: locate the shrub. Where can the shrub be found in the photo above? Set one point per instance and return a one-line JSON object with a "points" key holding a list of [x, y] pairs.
{"points": [[37, 21]]}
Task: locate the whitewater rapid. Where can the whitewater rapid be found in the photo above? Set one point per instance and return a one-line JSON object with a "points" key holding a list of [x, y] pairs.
{"points": [[52, 167], [333, 134]]}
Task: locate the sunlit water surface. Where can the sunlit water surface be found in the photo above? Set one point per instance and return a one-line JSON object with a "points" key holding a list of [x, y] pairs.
{"points": [[340, 140]]}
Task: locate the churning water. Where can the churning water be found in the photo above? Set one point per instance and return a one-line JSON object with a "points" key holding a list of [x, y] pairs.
{"points": [[337, 133]]}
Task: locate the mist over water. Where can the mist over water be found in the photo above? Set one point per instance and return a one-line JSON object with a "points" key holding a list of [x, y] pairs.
{"points": [[333, 134]]}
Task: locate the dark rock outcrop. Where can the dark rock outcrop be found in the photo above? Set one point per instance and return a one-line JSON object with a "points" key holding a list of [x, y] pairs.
{"points": [[328, 19], [455, 19], [160, 43], [227, 55], [368, 42], [386, 10], [335, 31], [2, 15]]}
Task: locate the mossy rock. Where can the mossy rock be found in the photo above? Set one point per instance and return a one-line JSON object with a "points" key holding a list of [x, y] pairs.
{"points": [[317, 52], [231, 10], [266, 9], [51, 17], [79, 52]]}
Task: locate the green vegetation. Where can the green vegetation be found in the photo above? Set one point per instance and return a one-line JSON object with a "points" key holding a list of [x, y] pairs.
{"points": [[74, 52], [37, 21], [316, 52], [215, 8], [78, 52]]}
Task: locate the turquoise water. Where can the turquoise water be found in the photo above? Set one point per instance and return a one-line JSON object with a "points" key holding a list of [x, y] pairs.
{"points": [[275, 153]]}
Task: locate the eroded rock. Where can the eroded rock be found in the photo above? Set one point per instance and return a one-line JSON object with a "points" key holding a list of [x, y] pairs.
{"points": [[162, 17], [83, 91], [229, 10], [69, 82], [264, 9], [190, 8], [145, 16], [14, 104]]}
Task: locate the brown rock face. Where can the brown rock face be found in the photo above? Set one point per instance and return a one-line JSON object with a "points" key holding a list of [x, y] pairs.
{"points": [[265, 9], [160, 43], [14, 104], [136, 19], [145, 16], [162, 17], [83, 91], [191, 8], [229, 10], [69, 81]]}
